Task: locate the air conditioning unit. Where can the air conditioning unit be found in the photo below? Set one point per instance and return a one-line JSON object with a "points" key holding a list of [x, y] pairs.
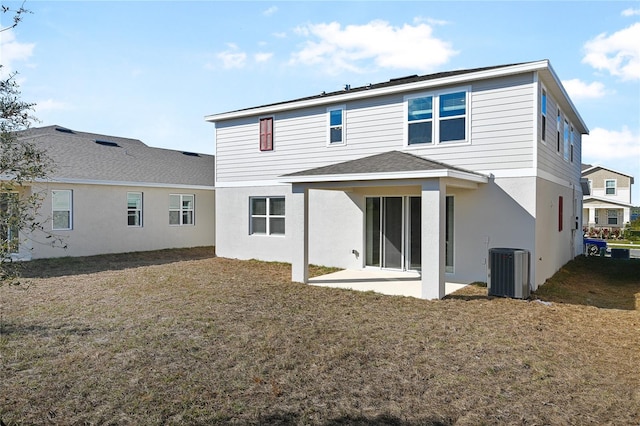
{"points": [[508, 274]]}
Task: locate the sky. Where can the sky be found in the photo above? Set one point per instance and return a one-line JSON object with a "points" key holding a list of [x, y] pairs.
{"points": [[152, 70]]}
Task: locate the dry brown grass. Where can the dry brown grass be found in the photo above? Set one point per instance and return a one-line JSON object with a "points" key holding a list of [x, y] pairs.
{"points": [[159, 338]]}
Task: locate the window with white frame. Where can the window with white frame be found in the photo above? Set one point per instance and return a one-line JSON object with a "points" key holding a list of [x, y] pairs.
{"points": [[134, 209], [181, 209], [558, 132], [566, 140], [335, 128], [61, 209], [437, 118], [612, 217], [610, 187], [572, 141], [267, 215], [543, 113]]}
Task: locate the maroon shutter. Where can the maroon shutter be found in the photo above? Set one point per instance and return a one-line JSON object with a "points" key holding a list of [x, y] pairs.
{"points": [[560, 214], [266, 134]]}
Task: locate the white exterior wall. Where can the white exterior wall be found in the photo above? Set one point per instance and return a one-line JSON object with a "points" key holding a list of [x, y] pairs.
{"points": [[99, 216]]}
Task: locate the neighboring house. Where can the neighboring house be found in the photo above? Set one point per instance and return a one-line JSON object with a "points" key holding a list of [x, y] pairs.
{"points": [[609, 203], [423, 173], [113, 195]]}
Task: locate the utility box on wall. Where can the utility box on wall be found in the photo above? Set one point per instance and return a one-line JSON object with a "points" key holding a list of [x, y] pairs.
{"points": [[508, 274]]}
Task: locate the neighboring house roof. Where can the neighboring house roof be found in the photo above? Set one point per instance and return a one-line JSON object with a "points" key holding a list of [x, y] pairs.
{"points": [[81, 157], [423, 82], [392, 164], [606, 201], [588, 168]]}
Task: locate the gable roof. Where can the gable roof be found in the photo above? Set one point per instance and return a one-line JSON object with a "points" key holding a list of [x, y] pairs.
{"points": [[82, 157], [387, 165], [588, 168], [422, 82]]}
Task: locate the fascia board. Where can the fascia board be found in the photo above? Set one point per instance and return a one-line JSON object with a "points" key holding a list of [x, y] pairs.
{"points": [[385, 176], [120, 183], [401, 88]]}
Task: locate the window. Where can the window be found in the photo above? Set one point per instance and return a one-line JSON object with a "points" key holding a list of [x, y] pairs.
{"points": [[181, 209], [336, 125], [560, 213], [447, 110], [61, 206], [572, 139], [612, 217], [134, 209], [267, 215], [420, 117], [8, 221], [543, 110], [566, 140], [266, 134], [558, 131], [610, 187], [453, 109]]}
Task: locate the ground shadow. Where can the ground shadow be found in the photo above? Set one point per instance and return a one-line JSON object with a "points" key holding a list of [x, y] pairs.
{"points": [[286, 419], [64, 266]]}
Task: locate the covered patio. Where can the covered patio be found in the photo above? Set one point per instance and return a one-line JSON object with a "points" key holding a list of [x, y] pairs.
{"points": [[393, 283], [426, 180]]}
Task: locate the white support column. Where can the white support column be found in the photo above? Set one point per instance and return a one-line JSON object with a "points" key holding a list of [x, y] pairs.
{"points": [[299, 226], [592, 217], [433, 238]]}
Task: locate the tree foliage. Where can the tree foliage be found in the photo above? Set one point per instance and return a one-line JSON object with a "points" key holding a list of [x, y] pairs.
{"points": [[21, 164]]}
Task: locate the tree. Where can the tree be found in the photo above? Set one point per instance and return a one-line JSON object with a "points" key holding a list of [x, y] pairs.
{"points": [[21, 164]]}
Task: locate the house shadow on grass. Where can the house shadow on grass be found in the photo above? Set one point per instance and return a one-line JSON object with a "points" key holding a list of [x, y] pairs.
{"points": [[286, 419], [63, 266]]}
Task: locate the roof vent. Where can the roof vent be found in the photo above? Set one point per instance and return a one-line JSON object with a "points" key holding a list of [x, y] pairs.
{"points": [[64, 130], [347, 87], [391, 80], [106, 143], [191, 154]]}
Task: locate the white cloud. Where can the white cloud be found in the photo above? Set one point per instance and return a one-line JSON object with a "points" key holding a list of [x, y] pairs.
{"points": [[280, 35], [263, 56], [48, 105], [270, 11], [618, 53], [13, 51], [630, 12], [232, 58], [336, 48], [602, 145], [578, 89]]}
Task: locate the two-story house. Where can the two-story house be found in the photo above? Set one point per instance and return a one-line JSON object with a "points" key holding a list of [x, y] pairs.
{"points": [[111, 194], [421, 173], [608, 206]]}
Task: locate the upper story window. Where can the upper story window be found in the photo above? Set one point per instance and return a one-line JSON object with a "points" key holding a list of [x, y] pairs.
{"points": [[566, 140], [437, 118], [267, 215], [134, 209], [61, 209], [558, 131], [543, 112], [181, 209], [266, 134], [572, 141], [610, 187], [335, 116]]}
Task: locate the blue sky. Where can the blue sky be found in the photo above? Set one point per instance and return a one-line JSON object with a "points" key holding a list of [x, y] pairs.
{"points": [[152, 70]]}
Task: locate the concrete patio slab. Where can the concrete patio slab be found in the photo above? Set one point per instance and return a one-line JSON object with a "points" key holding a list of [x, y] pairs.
{"points": [[394, 283]]}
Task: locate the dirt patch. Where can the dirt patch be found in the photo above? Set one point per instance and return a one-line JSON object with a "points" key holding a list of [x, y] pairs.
{"points": [[219, 341]]}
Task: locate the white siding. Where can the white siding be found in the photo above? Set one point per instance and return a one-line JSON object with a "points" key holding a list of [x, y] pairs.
{"points": [[501, 135]]}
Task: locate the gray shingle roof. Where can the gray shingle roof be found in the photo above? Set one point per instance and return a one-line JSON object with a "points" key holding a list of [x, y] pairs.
{"points": [[77, 156], [386, 162]]}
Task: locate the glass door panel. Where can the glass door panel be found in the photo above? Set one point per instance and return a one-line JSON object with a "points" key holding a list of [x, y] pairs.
{"points": [[415, 233], [392, 254], [372, 231]]}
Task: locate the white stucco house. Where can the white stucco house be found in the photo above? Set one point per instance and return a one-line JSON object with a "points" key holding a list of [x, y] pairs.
{"points": [[115, 195], [421, 173], [609, 203]]}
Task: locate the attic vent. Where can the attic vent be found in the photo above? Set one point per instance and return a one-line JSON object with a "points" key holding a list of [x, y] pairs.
{"points": [[64, 130], [191, 154], [106, 143], [391, 80]]}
